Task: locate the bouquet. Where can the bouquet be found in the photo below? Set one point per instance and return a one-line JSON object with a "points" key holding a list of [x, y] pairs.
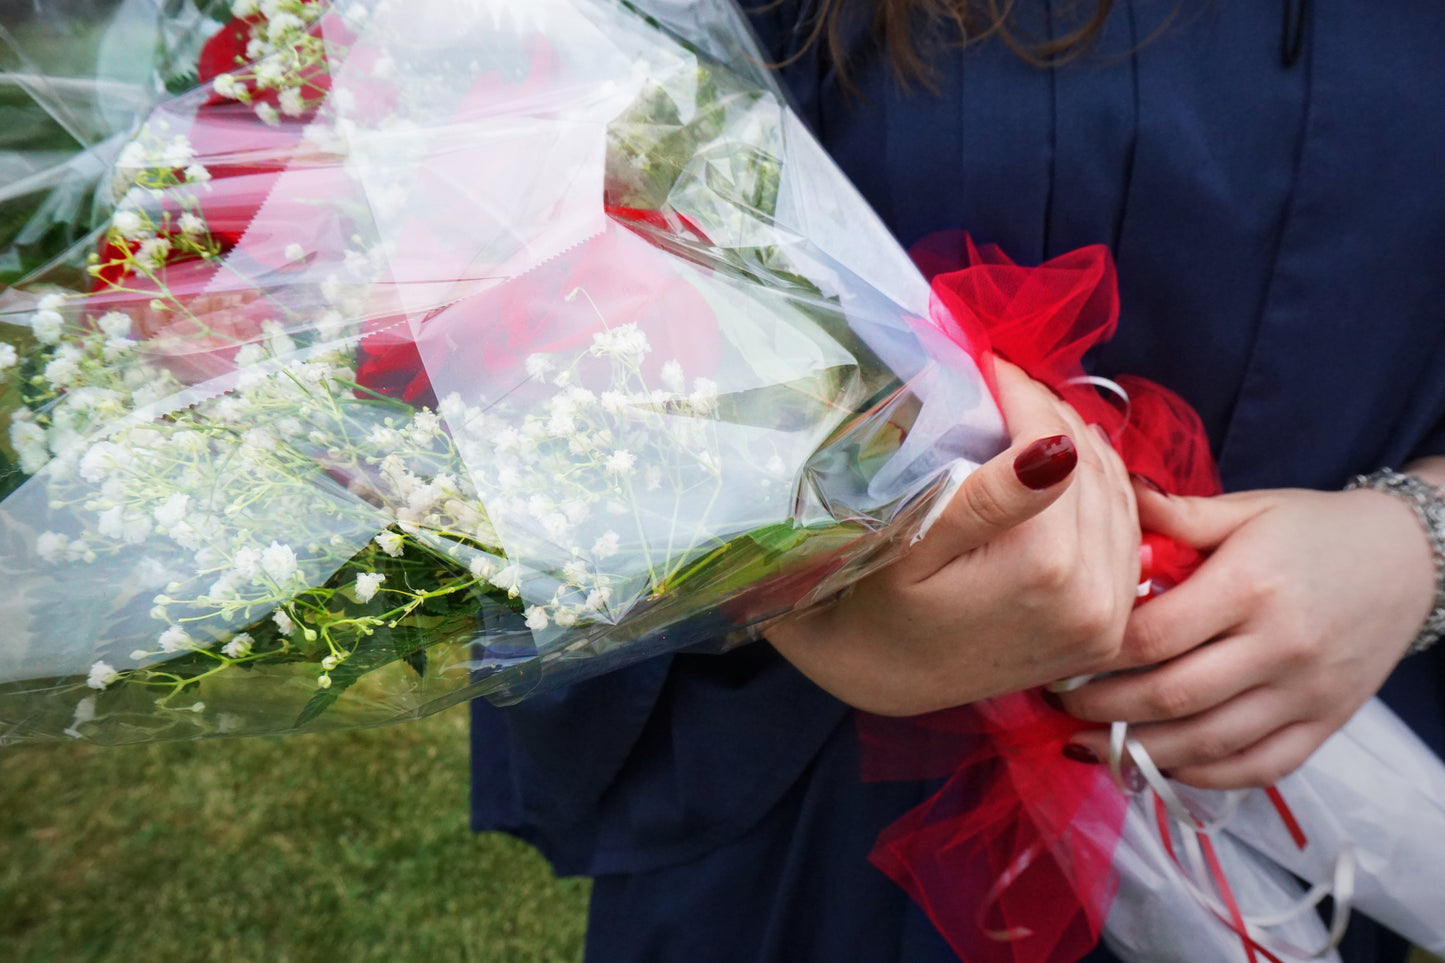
{"points": [[422, 352], [409, 354]]}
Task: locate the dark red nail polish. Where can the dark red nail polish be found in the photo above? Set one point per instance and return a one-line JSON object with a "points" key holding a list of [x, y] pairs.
{"points": [[1046, 462], [1052, 700], [1134, 779], [1079, 753]]}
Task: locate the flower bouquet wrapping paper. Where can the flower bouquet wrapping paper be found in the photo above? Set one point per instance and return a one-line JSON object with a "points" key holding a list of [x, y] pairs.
{"points": [[426, 351]]}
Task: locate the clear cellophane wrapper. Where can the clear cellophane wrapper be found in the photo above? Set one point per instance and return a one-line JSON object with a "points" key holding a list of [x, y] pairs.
{"points": [[1368, 810], [425, 351]]}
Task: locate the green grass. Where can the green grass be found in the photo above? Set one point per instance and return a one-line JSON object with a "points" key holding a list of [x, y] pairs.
{"points": [[349, 846]]}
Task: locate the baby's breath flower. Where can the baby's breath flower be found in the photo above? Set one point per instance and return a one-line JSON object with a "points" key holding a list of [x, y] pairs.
{"points": [[293, 104], [173, 511], [324, 681], [46, 325], [248, 562], [622, 463], [704, 395], [672, 377], [51, 545], [536, 618], [8, 356], [575, 571], [177, 153], [268, 114], [61, 371], [153, 253], [115, 324], [506, 579], [110, 522], [279, 562], [129, 224], [249, 355], [555, 524], [239, 647], [101, 675], [598, 598], [391, 543], [225, 85], [607, 545], [482, 567], [197, 174], [282, 25], [283, 622], [175, 639], [366, 585]]}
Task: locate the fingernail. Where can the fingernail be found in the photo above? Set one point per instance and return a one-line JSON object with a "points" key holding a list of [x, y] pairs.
{"points": [[1080, 753], [1148, 483], [1046, 462]]}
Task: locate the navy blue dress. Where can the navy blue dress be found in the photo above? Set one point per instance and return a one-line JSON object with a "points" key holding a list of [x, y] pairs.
{"points": [[1279, 228]]}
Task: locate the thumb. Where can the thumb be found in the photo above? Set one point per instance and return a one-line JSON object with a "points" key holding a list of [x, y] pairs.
{"points": [[1003, 492], [1201, 523]]}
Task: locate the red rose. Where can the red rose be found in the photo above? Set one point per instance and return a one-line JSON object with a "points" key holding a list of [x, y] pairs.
{"points": [[388, 362]]}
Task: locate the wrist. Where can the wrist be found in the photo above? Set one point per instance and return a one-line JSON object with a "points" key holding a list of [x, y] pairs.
{"points": [[1428, 505]]}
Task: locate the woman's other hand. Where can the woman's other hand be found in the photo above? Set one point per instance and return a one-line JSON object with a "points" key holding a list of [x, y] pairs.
{"points": [[1307, 602], [1027, 576]]}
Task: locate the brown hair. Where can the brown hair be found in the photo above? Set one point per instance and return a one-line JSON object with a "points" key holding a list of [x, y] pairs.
{"points": [[896, 24]]}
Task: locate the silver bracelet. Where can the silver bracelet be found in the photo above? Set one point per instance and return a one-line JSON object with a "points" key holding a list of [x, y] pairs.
{"points": [[1429, 505]]}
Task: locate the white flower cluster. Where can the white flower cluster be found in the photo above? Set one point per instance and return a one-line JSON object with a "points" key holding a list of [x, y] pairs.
{"points": [[597, 473], [145, 168], [282, 52]]}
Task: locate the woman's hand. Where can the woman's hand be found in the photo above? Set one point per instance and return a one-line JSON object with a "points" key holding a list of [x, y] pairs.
{"points": [[1305, 606], [1027, 576]]}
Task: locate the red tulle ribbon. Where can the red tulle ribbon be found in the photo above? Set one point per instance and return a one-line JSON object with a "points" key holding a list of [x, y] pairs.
{"points": [[1011, 859]]}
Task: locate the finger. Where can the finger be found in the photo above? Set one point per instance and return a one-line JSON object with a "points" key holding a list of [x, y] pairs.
{"points": [[1202, 523], [1204, 607], [1010, 488], [1000, 494], [1263, 764], [1029, 407], [1196, 682], [1107, 533], [1224, 731]]}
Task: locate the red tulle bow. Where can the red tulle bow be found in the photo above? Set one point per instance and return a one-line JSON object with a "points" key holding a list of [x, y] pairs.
{"points": [[1011, 859]]}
